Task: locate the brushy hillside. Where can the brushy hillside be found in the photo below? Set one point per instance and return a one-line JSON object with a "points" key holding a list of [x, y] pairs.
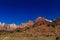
{"points": [[40, 29]]}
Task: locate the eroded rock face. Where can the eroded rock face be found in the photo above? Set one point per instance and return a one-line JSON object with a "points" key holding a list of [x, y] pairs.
{"points": [[2, 26], [7, 27], [40, 20], [23, 25], [12, 26], [30, 23]]}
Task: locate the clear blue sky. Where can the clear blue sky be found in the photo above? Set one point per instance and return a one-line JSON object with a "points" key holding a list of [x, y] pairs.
{"points": [[17, 11]]}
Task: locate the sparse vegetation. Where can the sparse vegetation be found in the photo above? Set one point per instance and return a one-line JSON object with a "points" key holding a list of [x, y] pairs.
{"points": [[48, 25], [18, 30], [53, 26], [38, 31]]}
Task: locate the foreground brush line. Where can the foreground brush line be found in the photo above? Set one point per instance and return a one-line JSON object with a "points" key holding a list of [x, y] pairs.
{"points": [[40, 28]]}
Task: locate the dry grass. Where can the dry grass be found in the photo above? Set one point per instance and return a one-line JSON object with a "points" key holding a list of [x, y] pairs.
{"points": [[16, 36]]}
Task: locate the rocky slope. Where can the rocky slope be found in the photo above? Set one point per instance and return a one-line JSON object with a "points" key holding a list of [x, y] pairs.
{"points": [[41, 26]]}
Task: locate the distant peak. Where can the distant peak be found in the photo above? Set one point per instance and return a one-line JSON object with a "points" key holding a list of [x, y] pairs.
{"points": [[42, 19], [48, 20], [45, 19], [39, 17]]}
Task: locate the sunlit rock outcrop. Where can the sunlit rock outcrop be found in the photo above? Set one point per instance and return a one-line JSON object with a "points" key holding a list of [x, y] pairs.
{"points": [[30, 23], [23, 25], [12, 26]]}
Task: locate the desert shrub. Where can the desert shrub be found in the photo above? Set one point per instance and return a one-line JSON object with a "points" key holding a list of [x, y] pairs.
{"points": [[18, 30], [0, 33], [11, 31], [53, 26], [25, 28], [57, 38], [48, 25], [40, 24]]}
